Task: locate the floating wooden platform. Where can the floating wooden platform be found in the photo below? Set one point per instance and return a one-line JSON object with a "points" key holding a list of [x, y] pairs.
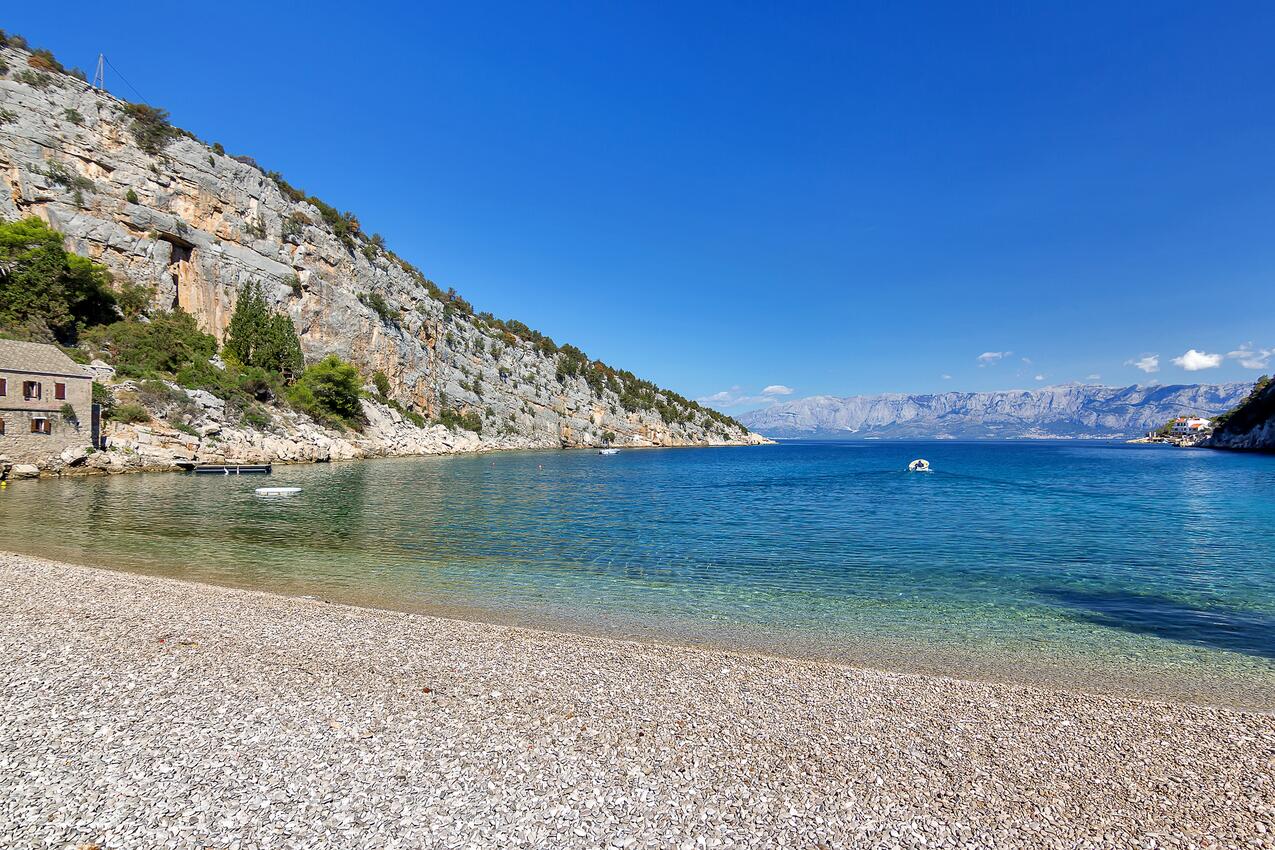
{"points": [[232, 469]]}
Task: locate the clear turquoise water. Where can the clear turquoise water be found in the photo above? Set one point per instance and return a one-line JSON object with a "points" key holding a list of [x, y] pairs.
{"points": [[1120, 567]]}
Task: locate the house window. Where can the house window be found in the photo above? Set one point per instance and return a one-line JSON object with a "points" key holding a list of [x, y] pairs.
{"points": [[32, 389], [41, 426], [4, 386], [1, 426], [59, 391]]}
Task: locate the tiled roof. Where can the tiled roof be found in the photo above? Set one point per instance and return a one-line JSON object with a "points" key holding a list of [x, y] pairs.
{"points": [[37, 357]]}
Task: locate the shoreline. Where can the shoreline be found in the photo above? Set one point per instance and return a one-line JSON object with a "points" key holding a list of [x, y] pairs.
{"points": [[169, 712], [52, 467], [1084, 675]]}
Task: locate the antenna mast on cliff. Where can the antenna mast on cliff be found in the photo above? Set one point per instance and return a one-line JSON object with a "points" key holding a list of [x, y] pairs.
{"points": [[99, 76]]}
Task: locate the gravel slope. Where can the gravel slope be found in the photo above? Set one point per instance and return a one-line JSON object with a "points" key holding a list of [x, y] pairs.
{"points": [[139, 712]]}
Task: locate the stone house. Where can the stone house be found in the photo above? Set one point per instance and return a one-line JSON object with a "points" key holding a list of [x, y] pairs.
{"points": [[46, 402]]}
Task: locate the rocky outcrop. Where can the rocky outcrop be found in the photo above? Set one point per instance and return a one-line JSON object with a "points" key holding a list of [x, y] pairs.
{"points": [[1070, 411], [1251, 425], [198, 226]]}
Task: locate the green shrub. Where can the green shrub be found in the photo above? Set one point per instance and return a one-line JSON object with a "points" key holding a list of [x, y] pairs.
{"points": [[34, 79], [218, 149], [47, 291], [156, 394], [454, 419], [68, 414], [63, 176], [7, 116], [382, 384], [294, 225], [329, 392], [134, 298], [103, 397], [1257, 407], [79, 355], [254, 416], [73, 116], [130, 414], [12, 39], [379, 306], [131, 197], [150, 127], [165, 345]]}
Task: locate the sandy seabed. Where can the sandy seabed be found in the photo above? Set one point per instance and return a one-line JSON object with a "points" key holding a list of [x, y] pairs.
{"points": [[140, 712]]}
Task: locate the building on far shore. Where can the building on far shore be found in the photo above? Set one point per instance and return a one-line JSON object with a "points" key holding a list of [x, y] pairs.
{"points": [[46, 402], [1193, 426]]}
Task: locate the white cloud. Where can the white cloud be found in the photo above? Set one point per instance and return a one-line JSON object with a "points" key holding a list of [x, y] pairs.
{"points": [[947, 377], [1040, 377], [737, 397], [1027, 361], [1148, 363], [988, 358], [1194, 361], [1250, 357], [1094, 378]]}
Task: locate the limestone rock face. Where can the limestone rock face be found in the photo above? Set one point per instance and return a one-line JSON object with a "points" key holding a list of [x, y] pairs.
{"points": [[198, 226], [203, 433]]}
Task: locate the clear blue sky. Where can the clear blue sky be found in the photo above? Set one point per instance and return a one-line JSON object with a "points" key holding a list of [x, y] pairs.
{"points": [[842, 199]]}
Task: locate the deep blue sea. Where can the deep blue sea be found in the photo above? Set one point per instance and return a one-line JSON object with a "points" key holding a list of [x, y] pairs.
{"points": [[1129, 568]]}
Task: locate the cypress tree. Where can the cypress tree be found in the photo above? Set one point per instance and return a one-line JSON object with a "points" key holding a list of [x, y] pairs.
{"points": [[258, 337]]}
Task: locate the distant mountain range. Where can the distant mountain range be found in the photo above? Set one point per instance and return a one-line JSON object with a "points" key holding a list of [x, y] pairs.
{"points": [[1069, 411]]}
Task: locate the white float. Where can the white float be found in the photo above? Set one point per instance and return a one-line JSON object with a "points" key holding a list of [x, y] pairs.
{"points": [[277, 491]]}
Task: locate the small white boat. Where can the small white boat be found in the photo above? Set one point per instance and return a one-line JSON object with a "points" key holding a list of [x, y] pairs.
{"points": [[277, 491], [919, 465], [608, 451]]}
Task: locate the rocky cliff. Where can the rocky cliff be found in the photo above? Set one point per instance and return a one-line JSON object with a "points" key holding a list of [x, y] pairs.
{"points": [[1251, 425], [162, 209], [1049, 412]]}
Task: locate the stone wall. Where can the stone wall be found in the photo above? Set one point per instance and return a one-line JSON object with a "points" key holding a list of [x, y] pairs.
{"points": [[18, 442]]}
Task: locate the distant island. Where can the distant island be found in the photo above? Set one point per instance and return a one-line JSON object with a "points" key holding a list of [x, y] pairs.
{"points": [[1061, 412]]}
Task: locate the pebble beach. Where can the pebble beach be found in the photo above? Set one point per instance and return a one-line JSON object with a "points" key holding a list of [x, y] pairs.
{"points": [[147, 712]]}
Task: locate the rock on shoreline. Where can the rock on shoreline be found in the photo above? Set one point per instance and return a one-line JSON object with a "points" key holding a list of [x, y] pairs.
{"points": [[138, 711]]}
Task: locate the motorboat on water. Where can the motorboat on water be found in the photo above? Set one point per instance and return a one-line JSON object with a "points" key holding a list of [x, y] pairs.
{"points": [[277, 491], [608, 451], [919, 465]]}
